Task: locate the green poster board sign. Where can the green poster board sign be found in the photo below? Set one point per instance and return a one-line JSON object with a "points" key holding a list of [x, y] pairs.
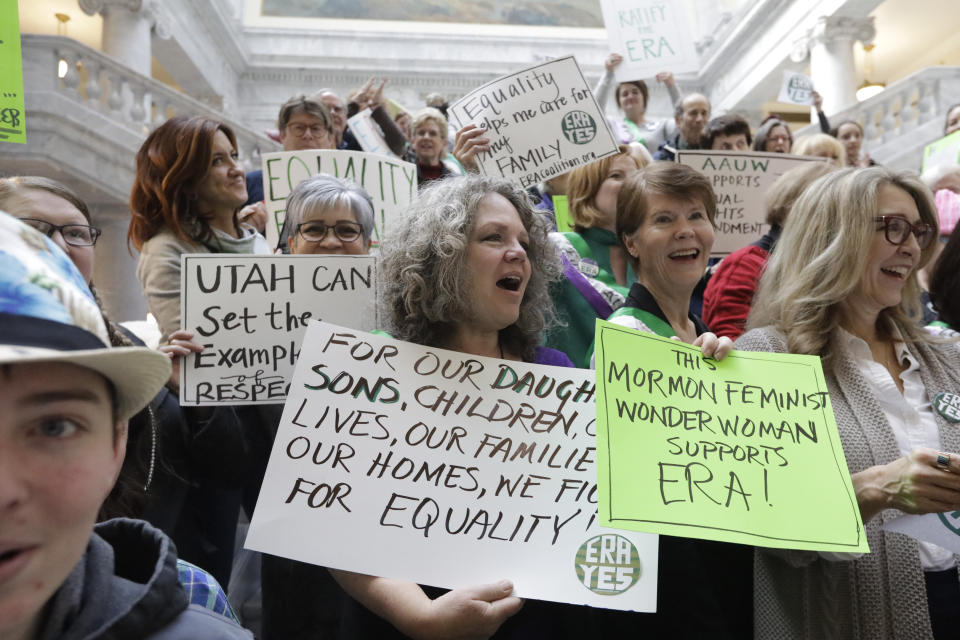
{"points": [[946, 150], [745, 450], [13, 127], [561, 210]]}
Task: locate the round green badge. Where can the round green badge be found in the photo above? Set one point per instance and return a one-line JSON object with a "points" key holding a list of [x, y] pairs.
{"points": [[579, 127], [951, 520], [608, 564], [948, 406]]}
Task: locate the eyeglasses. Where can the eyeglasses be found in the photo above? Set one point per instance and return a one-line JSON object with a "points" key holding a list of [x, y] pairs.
{"points": [[316, 130], [78, 235], [344, 230], [897, 230]]}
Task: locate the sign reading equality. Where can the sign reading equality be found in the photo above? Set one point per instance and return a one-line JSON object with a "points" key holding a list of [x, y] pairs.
{"points": [[251, 311], [391, 183], [13, 127], [745, 450], [395, 459], [741, 180], [541, 122], [651, 35]]}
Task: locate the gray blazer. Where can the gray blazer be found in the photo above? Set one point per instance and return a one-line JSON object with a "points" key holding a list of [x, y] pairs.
{"points": [[798, 594]]}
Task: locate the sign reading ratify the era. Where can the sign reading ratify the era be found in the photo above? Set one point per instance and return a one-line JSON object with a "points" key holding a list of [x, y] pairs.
{"points": [[251, 311], [541, 122], [651, 35], [391, 183], [394, 459], [745, 450], [13, 126], [741, 180]]}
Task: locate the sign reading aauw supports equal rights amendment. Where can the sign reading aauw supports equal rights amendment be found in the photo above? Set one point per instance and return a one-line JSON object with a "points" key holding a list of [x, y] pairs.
{"points": [[395, 459], [745, 450]]}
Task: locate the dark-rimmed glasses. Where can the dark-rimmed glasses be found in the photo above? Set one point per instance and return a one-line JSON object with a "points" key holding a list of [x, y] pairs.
{"points": [[345, 231], [897, 230], [299, 130], [78, 235]]}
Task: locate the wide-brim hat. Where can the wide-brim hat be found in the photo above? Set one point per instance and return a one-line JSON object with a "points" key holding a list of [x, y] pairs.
{"points": [[47, 314]]}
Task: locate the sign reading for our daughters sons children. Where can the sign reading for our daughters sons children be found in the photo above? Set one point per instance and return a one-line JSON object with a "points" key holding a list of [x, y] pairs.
{"points": [[651, 35], [448, 469], [541, 122], [744, 450], [251, 311]]}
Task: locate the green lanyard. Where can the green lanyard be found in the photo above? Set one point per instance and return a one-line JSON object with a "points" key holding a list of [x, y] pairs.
{"points": [[658, 326], [583, 249], [634, 130]]}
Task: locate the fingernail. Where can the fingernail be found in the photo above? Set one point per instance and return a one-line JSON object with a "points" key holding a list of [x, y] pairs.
{"points": [[506, 585]]}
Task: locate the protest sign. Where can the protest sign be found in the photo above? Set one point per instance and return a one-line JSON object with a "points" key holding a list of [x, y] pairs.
{"points": [[541, 122], [741, 180], [367, 133], [13, 127], [946, 150], [251, 311], [395, 459], [651, 35], [561, 212], [796, 88], [941, 529], [391, 183], [745, 450]]}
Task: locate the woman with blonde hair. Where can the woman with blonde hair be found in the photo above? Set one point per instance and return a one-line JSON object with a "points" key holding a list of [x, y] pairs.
{"points": [[843, 285], [821, 145], [597, 274]]}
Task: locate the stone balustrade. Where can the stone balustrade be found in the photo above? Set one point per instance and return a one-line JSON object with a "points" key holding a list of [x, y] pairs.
{"points": [[902, 119]]}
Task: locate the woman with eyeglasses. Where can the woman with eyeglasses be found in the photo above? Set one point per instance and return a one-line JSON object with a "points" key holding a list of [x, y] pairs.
{"points": [[842, 285], [327, 215]]}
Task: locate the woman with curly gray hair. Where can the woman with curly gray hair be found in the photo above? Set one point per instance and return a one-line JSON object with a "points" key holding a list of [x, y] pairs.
{"points": [[467, 269]]}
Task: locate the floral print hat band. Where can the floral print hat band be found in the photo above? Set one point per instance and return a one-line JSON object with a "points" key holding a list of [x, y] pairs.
{"points": [[47, 314]]}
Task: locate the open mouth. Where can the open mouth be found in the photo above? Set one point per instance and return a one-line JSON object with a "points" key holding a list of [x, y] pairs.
{"points": [[896, 272], [510, 283], [9, 555], [685, 255]]}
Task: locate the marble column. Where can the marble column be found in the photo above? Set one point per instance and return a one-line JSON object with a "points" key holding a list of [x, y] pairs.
{"points": [[127, 29], [829, 45], [115, 270]]}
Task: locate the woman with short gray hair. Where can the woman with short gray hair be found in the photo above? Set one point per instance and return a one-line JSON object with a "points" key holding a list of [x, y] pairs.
{"points": [[329, 215]]}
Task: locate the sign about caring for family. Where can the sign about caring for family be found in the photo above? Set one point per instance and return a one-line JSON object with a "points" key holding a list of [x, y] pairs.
{"points": [[448, 469], [251, 311], [796, 88], [745, 450], [741, 180], [651, 35], [541, 122], [391, 183]]}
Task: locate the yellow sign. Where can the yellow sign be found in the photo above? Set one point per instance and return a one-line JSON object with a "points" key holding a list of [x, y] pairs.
{"points": [[13, 127], [745, 450]]}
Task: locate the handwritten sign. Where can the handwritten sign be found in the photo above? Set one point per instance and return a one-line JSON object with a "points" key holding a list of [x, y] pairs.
{"points": [[367, 133], [542, 122], [250, 312], [946, 150], [741, 180], [651, 35], [13, 126], [941, 529], [561, 212], [745, 450], [399, 460], [391, 183], [796, 88]]}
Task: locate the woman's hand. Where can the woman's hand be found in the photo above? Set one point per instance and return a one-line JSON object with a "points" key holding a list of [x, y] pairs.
{"points": [[612, 62], [666, 77], [468, 142], [467, 614], [179, 344], [255, 215], [817, 101], [913, 484], [375, 96], [712, 346]]}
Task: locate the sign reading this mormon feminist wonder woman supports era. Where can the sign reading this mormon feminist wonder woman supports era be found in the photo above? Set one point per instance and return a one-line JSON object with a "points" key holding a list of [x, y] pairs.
{"points": [[541, 122], [395, 459]]}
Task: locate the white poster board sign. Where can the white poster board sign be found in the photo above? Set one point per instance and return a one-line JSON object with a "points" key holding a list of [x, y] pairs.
{"points": [[942, 529], [542, 122], [796, 88], [741, 180], [394, 459], [391, 183], [251, 311], [368, 135], [651, 35]]}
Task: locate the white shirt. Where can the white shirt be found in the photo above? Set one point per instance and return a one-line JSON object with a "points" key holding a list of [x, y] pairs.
{"points": [[910, 415]]}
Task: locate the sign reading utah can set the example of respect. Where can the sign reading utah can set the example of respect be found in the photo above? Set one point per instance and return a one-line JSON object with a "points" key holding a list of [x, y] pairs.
{"points": [[541, 122], [745, 450], [448, 469]]}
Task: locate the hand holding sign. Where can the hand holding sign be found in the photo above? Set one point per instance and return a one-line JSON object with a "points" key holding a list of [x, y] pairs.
{"points": [[470, 141], [914, 484]]}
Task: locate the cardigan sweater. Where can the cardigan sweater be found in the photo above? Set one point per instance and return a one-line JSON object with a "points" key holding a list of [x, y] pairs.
{"points": [[798, 594]]}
